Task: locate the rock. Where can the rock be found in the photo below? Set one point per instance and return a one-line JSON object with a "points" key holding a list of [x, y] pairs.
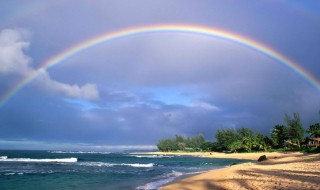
{"points": [[262, 158]]}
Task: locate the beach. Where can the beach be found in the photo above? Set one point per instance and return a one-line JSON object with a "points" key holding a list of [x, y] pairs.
{"points": [[288, 170]]}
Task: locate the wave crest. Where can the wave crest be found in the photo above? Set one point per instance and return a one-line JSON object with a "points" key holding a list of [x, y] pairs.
{"points": [[103, 164], [151, 156], [77, 152], [69, 160]]}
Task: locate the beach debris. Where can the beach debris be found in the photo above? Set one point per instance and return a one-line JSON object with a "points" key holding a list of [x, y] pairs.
{"points": [[262, 158]]}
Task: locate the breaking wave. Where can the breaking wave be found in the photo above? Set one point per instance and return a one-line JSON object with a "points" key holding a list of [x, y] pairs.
{"points": [[77, 152], [151, 156], [104, 164], [6, 159]]}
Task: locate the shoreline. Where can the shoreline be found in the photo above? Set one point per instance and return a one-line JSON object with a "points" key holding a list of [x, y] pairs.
{"points": [[243, 156], [282, 170]]}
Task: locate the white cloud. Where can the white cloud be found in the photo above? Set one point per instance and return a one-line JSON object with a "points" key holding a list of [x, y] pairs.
{"points": [[205, 106], [14, 61], [87, 91], [12, 58]]}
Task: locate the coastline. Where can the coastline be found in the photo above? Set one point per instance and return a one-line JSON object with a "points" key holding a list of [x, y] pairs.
{"points": [[244, 156], [282, 170]]}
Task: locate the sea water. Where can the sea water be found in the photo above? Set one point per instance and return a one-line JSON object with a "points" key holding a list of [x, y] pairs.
{"points": [[97, 170]]}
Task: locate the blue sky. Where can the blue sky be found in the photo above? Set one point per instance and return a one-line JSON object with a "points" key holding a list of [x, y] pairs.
{"points": [[131, 92]]}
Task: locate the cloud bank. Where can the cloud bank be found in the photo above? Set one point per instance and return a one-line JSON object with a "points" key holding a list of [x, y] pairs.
{"points": [[137, 90], [14, 61]]}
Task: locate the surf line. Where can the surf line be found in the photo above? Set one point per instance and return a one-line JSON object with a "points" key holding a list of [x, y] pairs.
{"points": [[175, 28]]}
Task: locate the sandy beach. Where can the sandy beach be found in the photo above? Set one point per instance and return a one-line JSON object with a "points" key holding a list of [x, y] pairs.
{"points": [[291, 170]]}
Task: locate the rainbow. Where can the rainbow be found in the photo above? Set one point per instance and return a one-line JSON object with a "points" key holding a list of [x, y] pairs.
{"points": [[186, 29]]}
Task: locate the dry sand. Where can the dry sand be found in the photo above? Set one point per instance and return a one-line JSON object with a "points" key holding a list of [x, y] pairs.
{"points": [[280, 171]]}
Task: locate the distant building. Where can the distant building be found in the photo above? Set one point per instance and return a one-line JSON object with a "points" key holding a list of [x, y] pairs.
{"points": [[314, 141]]}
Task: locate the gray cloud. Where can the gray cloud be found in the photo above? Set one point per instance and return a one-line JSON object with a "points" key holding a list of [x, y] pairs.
{"points": [[15, 61], [158, 85]]}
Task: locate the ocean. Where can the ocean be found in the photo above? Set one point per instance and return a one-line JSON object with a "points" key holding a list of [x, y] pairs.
{"points": [[79, 170]]}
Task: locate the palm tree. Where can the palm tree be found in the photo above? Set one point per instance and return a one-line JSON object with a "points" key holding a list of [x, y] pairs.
{"points": [[314, 130]]}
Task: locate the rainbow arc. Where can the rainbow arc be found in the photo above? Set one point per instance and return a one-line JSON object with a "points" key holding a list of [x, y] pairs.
{"points": [[191, 29]]}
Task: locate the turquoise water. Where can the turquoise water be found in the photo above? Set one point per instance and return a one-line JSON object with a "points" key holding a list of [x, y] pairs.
{"points": [[97, 170]]}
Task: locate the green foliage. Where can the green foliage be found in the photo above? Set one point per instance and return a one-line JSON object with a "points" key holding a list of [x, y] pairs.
{"points": [[180, 143], [195, 142], [230, 140], [208, 146], [263, 142], [225, 137], [167, 145], [179, 139], [244, 132], [181, 146], [235, 146], [244, 139], [279, 135], [311, 149], [246, 136], [314, 130], [295, 129]]}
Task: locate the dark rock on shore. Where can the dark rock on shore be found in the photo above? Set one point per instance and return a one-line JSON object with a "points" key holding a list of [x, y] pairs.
{"points": [[262, 158]]}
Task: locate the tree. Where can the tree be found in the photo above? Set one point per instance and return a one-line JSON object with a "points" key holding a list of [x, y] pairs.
{"points": [[246, 136], [225, 137], [314, 130], [279, 135], [236, 145], [162, 145], [195, 142], [295, 129], [179, 139], [167, 145], [198, 141], [181, 146], [262, 142], [207, 146], [180, 143]]}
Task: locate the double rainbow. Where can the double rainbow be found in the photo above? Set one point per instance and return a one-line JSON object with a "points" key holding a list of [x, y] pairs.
{"points": [[187, 29]]}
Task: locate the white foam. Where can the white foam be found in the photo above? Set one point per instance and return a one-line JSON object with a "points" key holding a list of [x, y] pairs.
{"points": [[10, 174], [167, 178], [151, 156], [19, 173], [77, 152], [99, 164], [6, 159], [140, 165], [104, 164]]}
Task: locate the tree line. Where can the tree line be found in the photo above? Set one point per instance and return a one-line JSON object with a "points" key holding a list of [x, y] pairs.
{"points": [[288, 136], [181, 143]]}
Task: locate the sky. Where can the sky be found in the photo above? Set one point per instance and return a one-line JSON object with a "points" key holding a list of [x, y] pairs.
{"points": [[129, 92]]}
